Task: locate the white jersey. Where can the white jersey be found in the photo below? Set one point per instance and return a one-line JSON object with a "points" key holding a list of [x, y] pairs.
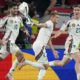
{"points": [[73, 27], [68, 27], [45, 33], [12, 27]]}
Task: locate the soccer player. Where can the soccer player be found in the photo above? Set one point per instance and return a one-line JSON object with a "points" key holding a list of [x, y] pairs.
{"points": [[12, 23], [43, 38], [23, 10], [72, 46]]}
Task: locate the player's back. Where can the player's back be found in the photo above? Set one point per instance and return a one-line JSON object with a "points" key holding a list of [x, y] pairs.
{"points": [[45, 33]]}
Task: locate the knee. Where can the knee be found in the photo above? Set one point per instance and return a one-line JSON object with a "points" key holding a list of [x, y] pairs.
{"points": [[46, 66]]}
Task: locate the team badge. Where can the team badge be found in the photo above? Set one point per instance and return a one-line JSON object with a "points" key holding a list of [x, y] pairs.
{"points": [[11, 21], [73, 24]]}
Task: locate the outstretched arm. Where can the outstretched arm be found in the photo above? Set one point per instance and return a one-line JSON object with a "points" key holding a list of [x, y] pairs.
{"points": [[58, 33], [63, 30], [40, 25]]}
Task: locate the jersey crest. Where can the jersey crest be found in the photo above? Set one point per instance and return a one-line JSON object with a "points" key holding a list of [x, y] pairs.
{"points": [[73, 24]]}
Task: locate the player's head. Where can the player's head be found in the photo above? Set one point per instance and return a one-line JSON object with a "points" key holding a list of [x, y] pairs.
{"points": [[76, 11], [14, 9], [54, 16], [24, 9]]}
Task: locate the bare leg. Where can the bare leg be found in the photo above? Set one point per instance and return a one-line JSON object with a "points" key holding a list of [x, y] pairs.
{"points": [[20, 58], [76, 57], [41, 74], [62, 62]]}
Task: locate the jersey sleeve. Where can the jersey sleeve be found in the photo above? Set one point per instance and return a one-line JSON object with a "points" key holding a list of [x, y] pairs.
{"points": [[3, 21], [65, 26], [48, 24]]}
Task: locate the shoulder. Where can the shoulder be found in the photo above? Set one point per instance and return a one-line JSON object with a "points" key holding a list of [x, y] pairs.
{"points": [[49, 22], [69, 22]]}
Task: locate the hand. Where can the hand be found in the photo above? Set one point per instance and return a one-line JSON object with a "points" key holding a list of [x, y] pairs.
{"points": [[55, 54]]}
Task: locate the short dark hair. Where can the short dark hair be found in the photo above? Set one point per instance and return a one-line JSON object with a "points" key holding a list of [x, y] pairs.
{"points": [[12, 5], [76, 6], [53, 13]]}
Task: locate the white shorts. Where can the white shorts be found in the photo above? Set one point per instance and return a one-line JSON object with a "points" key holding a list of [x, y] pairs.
{"points": [[43, 59], [75, 45], [37, 47], [6, 49]]}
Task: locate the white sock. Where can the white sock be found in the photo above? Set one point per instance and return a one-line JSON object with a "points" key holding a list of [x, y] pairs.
{"points": [[52, 63], [78, 76], [35, 64], [14, 65], [41, 74]]}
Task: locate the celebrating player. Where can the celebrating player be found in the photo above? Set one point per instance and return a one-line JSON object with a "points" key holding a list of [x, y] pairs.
{"points": [[40, 43], [72, 45], [12, 23], [23, 10]]}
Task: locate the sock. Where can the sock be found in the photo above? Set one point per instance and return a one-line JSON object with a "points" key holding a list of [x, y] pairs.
{"points": [[35, 64], [41, 74], [78, 76], [52, 63], [14, 65]]}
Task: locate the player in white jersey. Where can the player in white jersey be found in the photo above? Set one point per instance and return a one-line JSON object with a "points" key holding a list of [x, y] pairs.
{"points": [[12, 24], [72, 46], [24, 10], [40, 43]]}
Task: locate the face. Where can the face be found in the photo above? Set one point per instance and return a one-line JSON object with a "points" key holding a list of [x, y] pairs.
{"points": [[76, 12], [55, 18], [14, 10]]}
